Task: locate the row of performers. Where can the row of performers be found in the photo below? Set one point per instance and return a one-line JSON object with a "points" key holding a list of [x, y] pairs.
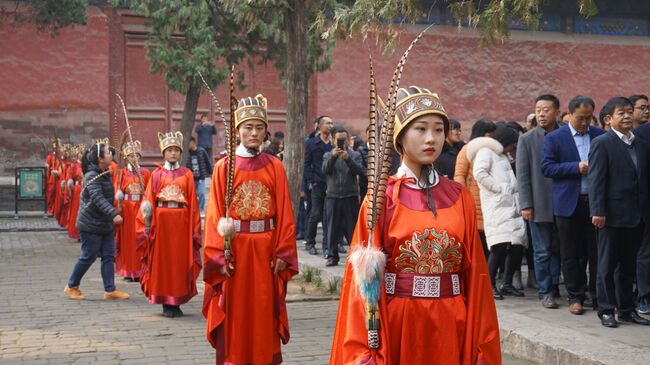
{"points": [[433, 305]]}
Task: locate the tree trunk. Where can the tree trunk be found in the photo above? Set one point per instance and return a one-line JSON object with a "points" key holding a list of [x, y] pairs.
{"points": [[297, 82], [189, 114]]}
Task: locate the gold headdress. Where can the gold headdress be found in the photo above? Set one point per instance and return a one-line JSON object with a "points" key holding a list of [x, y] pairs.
{"points": [[170, 139], [414, 102], [101, 141], [129, 148], [251, 108]]}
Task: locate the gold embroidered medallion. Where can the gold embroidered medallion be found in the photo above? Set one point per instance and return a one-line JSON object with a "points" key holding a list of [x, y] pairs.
{"points": [[429, 253], [252, 200]]}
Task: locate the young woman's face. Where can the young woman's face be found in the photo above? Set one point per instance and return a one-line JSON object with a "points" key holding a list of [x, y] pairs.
{"points": [[423, 140], [172, 154]]}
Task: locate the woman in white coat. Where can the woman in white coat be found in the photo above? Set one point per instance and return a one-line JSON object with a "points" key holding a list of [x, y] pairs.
{"points": [[505, 230]]}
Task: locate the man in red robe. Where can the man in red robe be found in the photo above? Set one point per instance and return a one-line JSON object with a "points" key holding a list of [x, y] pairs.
{"points": [[75, 180], [168, 231], [131, 184], [244, 302]]}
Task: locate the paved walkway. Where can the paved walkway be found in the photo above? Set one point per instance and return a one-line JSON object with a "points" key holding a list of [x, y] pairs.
{"points": [[39, 325]]}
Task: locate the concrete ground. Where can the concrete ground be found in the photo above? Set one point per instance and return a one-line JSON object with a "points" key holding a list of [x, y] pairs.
{"points": [[39, 325]]}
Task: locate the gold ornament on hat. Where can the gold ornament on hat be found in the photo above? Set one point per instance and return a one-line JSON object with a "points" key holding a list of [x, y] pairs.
{"points": [[131, 148], [415, 102], [170, 139], [251, 108], [105, 141]]}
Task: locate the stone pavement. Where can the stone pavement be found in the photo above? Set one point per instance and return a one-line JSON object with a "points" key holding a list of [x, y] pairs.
{"points": [[546, 336], [39, 325], [28, 224]]}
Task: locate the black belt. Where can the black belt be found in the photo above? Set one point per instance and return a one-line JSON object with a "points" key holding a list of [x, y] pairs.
{"points": [[583, 197]]}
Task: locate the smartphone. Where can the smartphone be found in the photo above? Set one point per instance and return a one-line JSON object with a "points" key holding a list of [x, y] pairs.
{"points": [[340, 143]]}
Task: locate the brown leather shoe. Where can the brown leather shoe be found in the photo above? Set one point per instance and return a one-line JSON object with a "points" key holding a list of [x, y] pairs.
{"points": [[576, 308], [115, 294], [73, 293]]}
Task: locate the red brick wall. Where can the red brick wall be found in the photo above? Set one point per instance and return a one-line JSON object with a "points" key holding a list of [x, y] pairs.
{"points": [[50, 85], [499, 83]]}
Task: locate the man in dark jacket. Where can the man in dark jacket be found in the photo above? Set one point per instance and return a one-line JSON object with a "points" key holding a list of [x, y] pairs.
{"points": [[95, 222], [618, 203], [315, 181], [341, 166], [198, 161]]}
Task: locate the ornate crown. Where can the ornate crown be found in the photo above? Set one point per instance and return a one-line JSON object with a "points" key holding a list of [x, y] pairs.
{"points": [[170, 139], [130, 148], [102, 141], [417, 102], [251, 108]]}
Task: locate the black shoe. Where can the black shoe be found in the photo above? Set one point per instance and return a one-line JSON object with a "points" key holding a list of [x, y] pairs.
{"points": [[549, 302], [136, 280], [332, 262], [168, 311], [608, 320], [177, 311], [128, 280], [509, 290], [588, 302], [497, 295], [312, 250], [633, 317]]}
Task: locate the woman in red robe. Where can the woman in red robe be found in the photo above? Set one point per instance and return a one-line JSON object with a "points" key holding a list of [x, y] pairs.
{"points": [[66, 189], [244, 303], [74, 183], [130, 191], [52, 162], [435, 302], [168, 231], [60, 185]]}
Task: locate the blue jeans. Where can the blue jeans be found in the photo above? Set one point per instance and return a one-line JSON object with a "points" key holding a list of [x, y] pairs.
{"points": [[200, 193], [93, 245], [547, 263]]}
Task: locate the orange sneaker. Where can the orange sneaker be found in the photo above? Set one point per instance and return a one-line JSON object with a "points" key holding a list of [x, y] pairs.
{"points": [[73, 293], [115, 294]]}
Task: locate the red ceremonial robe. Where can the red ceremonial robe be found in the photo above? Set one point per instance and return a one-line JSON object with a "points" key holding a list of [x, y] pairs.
{"points": [[52, 164], [171, 252], [246, 314], [77, 176], [67, 195], [447, 330], [60, 192], [128, 263]]}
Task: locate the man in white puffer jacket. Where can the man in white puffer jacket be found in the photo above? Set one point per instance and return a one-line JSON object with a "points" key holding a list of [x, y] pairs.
{"points": [[505, 229]]}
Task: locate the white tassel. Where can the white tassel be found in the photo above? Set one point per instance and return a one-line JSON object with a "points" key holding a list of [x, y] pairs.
{"points": [[146, 209], [226, 227], [70, 184], [368, 265], [120, 196]]}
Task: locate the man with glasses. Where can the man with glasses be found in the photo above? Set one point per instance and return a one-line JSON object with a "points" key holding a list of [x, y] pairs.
{"points": [[446, 163], [641, 109]]}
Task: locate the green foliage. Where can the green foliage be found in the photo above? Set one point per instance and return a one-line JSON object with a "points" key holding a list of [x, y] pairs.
{"points": [[308, 274], [333, 285], [48, 15], [268, 20], [490, 17]]}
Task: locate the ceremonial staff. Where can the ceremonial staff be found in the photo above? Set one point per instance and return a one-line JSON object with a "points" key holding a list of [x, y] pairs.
{"points": [[369, 261], [226, 226]]}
